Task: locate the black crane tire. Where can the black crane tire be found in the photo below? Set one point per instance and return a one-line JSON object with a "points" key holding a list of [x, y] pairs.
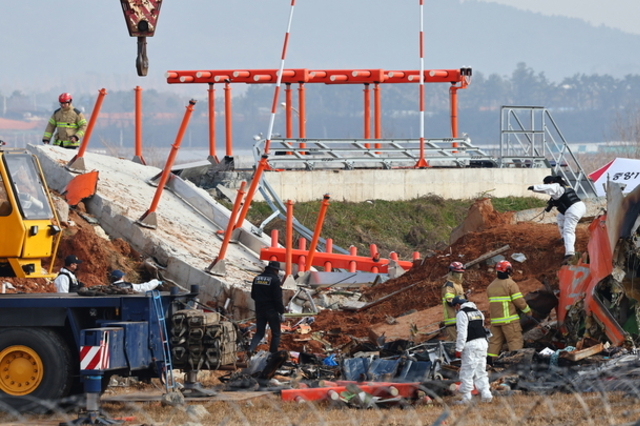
{"points": [[35, 369]]}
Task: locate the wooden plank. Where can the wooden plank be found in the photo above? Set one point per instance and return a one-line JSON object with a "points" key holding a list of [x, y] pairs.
{"points": [[584, 353], [383, 298], [487, 256]]}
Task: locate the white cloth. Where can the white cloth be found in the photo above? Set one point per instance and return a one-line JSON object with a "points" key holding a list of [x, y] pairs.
{"points": [[144, 287], [62, 281], [568, 221], [473, 369], [554, 190]]}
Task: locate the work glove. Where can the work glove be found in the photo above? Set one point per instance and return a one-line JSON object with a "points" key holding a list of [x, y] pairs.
{"points": [[549, 206], [45, 141], [74, 138], [458, 354], [530, 188]]}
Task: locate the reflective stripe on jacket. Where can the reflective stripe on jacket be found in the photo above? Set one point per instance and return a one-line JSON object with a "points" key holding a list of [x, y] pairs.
{"points": [[70, 122], [450, 290], [505, 300]]}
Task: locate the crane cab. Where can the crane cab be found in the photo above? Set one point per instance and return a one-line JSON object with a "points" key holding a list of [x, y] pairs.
{"points": [[29, 226]]}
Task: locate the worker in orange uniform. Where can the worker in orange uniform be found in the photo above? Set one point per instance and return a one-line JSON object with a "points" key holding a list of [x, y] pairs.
{"points": [[505, 300], [452, 288], [70, 123]]}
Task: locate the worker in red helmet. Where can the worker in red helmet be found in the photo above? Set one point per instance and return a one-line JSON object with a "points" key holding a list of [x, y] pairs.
{"points": [[70, 123], [570, 210], [505, 300], [452, 288]]}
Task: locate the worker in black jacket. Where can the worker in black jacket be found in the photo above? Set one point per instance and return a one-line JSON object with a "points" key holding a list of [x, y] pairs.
{"points": [[266, 292]]}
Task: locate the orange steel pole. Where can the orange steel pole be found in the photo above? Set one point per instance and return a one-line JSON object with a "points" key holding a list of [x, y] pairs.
{"points": [[353, 251], [367, 113], [138, 117], [377, 111], [316, 233], [453, 92], [167, 168], [302, 114], [212, 123], [229, 230], [289, 239], [77, 162], [375, 256], [302, 245], [274, 242], [329, 249], [288, 105], [262, 164], [227, 120], [92, 121]]}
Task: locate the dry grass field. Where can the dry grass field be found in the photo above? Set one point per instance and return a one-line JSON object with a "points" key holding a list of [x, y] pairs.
{"points": [[269, 410]]}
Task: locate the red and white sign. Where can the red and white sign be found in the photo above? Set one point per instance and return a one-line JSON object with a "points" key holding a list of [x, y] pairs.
{"points": [[621, 170], [95, 357]]}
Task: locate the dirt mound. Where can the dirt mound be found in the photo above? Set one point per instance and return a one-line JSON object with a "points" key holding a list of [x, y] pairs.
{"points": [[540, 243], [99, 256]]}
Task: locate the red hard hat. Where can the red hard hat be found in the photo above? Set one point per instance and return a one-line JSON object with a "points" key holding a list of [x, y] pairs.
{"points": [[65, 97], [504, 266], [456, 267]]}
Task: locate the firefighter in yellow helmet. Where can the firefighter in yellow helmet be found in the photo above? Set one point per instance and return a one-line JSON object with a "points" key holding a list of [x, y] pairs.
{"points": [[70, 123], [505, 300], [452, 288]]}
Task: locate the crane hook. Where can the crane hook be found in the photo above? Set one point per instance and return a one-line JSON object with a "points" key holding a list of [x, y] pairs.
{"points": [[142, 62]]}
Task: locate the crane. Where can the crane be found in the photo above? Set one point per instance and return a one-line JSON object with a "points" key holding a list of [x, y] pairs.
{"points": [[141, 17]]}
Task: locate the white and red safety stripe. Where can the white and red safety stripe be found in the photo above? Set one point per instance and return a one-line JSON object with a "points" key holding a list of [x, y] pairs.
{"points": [[95, 357]]}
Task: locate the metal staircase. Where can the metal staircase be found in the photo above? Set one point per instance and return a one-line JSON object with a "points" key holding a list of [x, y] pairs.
{"points": [[530, 137], [280, 210], [167, 368]]}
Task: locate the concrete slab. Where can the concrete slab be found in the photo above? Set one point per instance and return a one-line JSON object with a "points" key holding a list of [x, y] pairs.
{"points": [[403, 184], [185, 240]]}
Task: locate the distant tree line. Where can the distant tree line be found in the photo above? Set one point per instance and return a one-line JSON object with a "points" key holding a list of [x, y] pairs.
{"points": [[587, 108]]}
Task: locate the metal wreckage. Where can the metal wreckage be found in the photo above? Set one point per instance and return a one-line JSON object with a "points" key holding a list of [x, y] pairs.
{"points": [[589, 346]]}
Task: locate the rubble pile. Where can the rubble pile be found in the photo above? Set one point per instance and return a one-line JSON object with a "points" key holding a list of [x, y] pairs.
{"points": [[417, 303]]}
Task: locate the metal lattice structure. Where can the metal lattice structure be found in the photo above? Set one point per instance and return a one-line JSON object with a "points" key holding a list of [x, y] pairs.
{"points": [[530, 137]]}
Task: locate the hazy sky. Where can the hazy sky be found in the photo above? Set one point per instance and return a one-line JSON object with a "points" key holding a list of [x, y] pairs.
{"points": [[73, 45], [621, 14]]}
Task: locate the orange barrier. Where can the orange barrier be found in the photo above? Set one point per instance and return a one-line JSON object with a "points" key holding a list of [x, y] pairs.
{"points": [[384, 389], [350, 262]]}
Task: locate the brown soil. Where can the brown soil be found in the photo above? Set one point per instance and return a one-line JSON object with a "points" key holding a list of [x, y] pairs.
{"points": [[99, 256], [538, 242]]}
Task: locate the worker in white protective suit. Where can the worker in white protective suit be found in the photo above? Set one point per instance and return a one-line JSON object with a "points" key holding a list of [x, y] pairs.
{"points": [[471, 347], [570, 210]]}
